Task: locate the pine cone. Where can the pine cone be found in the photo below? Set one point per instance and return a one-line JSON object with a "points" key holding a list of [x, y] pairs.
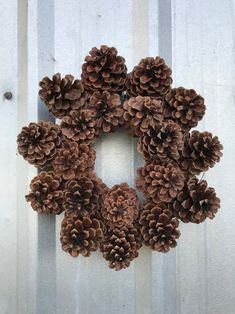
{"points": [[201, 152], [164, 141], [80, 235], [80, 126], [121, 206], [108, 111], [62, 95], [46, 195], [160, 181], [73, 160], [185, 107], [141, 113], [120, 246], [196, 202], [104, 70], [159, 227], [38, 143], [84, 196], [151, 77]]}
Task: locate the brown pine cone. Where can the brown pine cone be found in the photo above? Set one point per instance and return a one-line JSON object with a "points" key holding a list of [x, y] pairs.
{"points": [[73, 160], [80, 235], [159, 227], [151, 77], [121, 206], [62, 95], [196, 202], [38, 143], [185, 107], [141, 113], [160, 181], [120, 246], [46, 194], [164, 141], [80, 126], [104, 70], [108, 110], [201, 151], [84, 196]]}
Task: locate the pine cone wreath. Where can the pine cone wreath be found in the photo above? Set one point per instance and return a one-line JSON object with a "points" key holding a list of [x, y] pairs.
{"points": [[84, 196], [121, 206], [73, 160], [161, 182], [151, 77], [120, 246], [196, 202], [113, 219], [104, 70], [108, 110], [185, 107], [61, 95], [163, 141], [80, 126], [159, 227], [201, 151], [141, 113], [80, 235], [46, 193], [38, 143]]}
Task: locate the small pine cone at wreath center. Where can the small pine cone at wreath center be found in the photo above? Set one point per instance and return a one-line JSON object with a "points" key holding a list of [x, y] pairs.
{"points": [[159, 117]]}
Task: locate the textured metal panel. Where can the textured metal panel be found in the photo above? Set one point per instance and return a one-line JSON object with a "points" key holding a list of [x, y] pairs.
{"points": [[43, 37], [203, 58], [8, 217]]}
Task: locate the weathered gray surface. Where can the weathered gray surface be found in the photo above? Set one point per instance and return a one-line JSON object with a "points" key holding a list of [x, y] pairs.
{"points": [[41, 37]]}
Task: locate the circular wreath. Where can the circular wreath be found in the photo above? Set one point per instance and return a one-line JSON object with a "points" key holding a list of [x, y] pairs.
{"points": [[144, 102]]}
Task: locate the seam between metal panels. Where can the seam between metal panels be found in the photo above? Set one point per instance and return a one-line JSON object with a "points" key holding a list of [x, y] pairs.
{"points": [[165, 51], [46, 267], [140, 48], [22, 92]]}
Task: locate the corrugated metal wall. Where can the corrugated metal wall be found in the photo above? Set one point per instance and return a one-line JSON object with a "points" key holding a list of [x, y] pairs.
{"points": [[40, 37]]}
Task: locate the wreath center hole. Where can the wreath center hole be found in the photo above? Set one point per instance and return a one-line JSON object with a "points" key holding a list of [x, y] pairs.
{"points": [[117, 158]]}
